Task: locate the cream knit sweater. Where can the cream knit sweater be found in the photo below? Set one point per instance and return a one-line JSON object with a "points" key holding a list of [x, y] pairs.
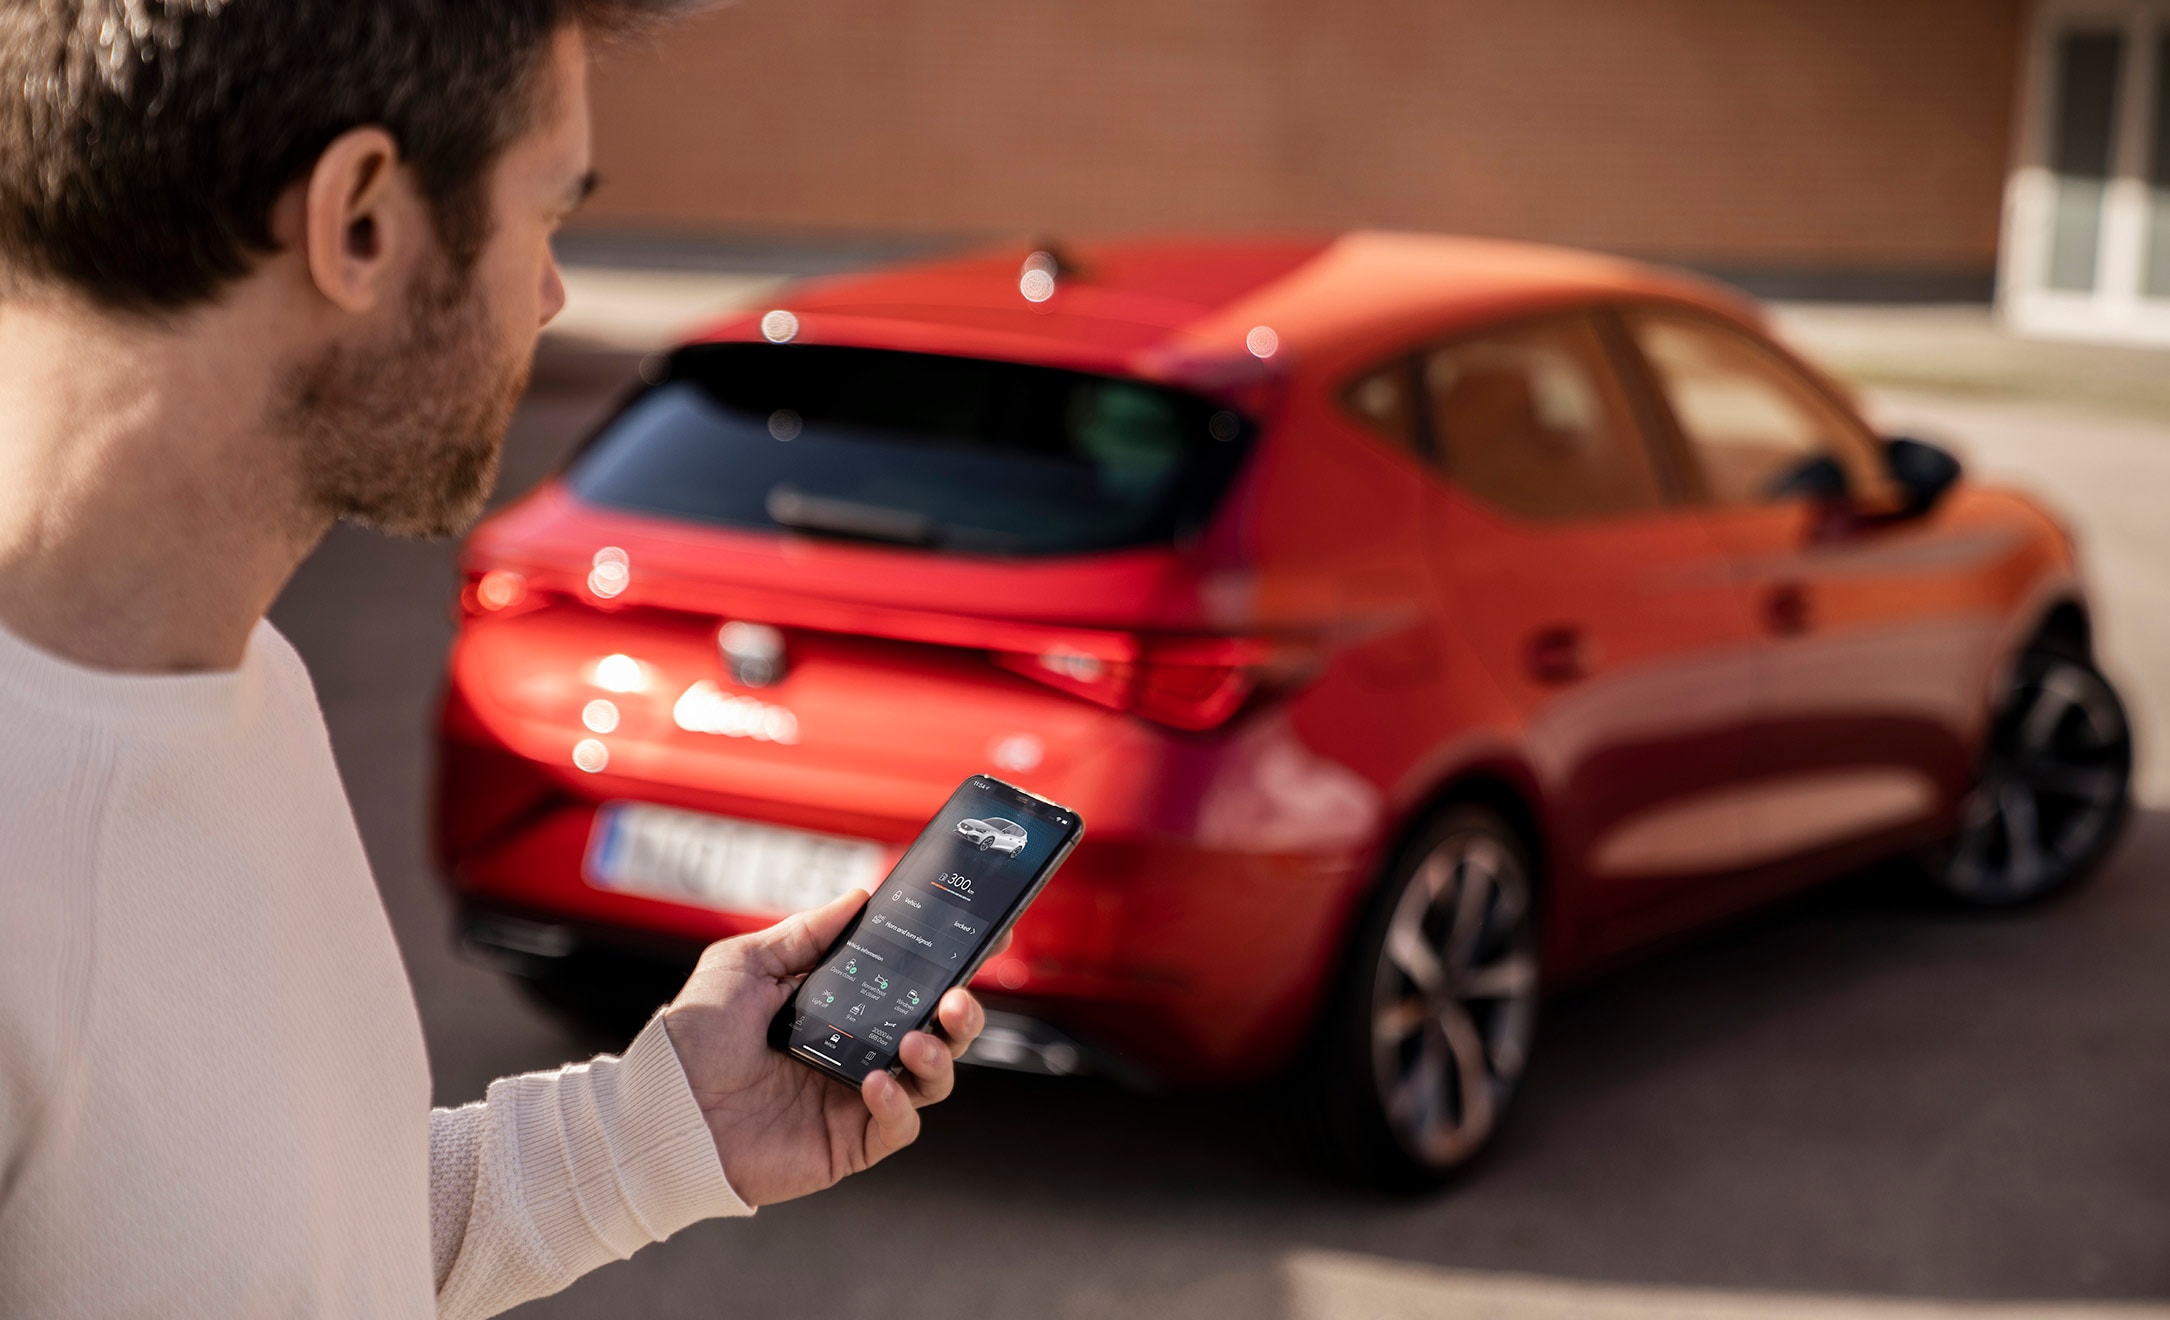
{"points": [[213, 1094]]}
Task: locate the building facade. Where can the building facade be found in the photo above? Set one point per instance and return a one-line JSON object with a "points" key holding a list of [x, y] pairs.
{"points": [[1841, 147]]}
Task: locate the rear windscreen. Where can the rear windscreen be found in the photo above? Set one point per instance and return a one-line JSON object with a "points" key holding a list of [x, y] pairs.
{"points": [[915, 449]]}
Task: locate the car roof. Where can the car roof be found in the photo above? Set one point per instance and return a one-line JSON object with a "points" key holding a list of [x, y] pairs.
{"points": [[1143, 305]]}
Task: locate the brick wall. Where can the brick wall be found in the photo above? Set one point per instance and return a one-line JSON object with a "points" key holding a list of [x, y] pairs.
{"points": [[1801, 134]]}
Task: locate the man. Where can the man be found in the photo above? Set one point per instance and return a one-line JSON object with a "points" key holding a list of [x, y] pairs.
{"points": [[266, 264]]}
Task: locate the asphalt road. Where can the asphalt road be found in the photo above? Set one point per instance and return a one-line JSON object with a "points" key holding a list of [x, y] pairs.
{"points": [[1860, 1096]]}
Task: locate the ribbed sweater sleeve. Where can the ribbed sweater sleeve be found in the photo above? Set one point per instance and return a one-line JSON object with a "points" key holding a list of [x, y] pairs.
{"points": [[555, 1173]]}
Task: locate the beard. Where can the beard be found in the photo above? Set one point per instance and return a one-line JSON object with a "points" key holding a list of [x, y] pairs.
{"points": [[404, 436]]}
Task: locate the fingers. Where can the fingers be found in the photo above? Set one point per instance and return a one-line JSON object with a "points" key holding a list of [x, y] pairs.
{"points": [[892, 1122], [929, 1062], [930, 1072], [792, 946], [933, 1072], [1001, 946], [962, 1020]]}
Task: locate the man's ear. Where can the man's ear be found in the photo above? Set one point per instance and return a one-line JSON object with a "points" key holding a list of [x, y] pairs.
{"points": [[360, 220]]}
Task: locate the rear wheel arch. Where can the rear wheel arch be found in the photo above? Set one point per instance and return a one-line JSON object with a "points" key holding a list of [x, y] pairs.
{"points": [[1500, 787]]}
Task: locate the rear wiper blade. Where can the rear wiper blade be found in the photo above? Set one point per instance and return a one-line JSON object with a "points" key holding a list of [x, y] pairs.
{"points": [[826, 516]]}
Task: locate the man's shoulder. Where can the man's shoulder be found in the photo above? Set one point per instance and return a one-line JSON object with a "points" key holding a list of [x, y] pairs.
{"points": [[277, 653]]}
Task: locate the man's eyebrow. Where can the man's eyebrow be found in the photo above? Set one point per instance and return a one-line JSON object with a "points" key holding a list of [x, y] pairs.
{"points": [[583, 188]]}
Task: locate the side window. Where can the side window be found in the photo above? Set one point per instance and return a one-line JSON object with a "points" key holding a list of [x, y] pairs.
{"points": [[1752, 422], [1532, 420], [1381, 401]]}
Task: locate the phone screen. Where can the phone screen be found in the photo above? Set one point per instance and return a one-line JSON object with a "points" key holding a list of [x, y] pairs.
{"points": [[962, 883]]}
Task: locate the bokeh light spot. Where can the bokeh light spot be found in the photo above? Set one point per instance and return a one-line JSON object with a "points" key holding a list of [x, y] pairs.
{"points": [[612, 573], [499, 588], [779, 327], [600, 715], [1018, 752], [620, 673]]}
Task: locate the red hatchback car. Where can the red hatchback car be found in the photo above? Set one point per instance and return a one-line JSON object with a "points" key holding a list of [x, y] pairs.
{"points": [[1417, 623]]}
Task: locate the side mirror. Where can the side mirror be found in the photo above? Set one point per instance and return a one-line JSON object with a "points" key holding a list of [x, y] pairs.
{"points": [[1922, 471], [1820, 480]]}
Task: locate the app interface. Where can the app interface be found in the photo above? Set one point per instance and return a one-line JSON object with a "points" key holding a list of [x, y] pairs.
{"points": [[926, 923]]}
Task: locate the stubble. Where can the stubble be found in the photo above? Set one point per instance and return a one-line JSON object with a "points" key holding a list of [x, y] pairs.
{"points": [[405, 436]]}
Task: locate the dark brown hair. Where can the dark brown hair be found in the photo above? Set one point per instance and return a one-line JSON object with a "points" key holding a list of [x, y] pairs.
{"points": [[143, 142]]}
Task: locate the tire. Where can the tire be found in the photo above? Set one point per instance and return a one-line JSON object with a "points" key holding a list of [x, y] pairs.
{"points": [[2053, 789], [1424, 1044]]}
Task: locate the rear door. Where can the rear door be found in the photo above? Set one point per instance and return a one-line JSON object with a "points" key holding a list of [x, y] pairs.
{"points": [[1603, 609], [1877, 635]]}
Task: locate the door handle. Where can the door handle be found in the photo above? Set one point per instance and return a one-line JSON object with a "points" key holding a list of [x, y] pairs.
{"points": [[1558, 655], [1788, 610]]}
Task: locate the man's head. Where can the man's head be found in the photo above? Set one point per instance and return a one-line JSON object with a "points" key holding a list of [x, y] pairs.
{"points": [[367, 186]]}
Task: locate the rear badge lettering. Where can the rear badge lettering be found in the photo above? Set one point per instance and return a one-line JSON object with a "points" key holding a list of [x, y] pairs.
{"points": [[705, 708]]}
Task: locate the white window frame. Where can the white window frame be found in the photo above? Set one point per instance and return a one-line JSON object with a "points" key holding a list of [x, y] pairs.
{"points": [[2114, 311]]}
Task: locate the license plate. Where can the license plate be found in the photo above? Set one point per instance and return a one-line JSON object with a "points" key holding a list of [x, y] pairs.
{"points": [[725, 864]]}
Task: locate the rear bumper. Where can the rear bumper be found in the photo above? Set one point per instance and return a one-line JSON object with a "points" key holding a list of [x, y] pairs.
{"points": [[1183, 941], [612, 970]]}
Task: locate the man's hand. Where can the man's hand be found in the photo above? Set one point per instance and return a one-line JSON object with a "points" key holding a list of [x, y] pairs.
{"points": [[782, 1129]]}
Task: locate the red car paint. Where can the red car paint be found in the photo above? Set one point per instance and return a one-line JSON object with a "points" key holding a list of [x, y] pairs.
{"points": [[1694, 710]]}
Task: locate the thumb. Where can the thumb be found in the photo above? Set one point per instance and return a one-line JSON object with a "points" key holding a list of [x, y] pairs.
{"points": [[796, 943]]}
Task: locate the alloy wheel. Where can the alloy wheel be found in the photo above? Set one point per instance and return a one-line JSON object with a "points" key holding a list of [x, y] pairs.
{"points": [[2052, 787], [1454, 999]]}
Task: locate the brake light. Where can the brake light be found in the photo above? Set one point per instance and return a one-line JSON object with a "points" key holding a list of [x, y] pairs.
{"points": [[1191, 683]]}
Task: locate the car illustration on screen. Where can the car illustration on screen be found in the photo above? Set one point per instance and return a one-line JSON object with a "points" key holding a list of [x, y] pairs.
{"points": [[994, 833]]}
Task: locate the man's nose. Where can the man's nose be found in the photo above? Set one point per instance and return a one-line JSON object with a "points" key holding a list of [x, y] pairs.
{"points": [[553, 291]]}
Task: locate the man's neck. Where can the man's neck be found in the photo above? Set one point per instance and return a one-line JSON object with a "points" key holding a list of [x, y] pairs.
{"points": [[147, 517]]}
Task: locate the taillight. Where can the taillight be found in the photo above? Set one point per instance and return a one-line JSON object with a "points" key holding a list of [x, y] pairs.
{"points": [[1188, 683], [1094, 675], [496, 591], [1198, 687]]}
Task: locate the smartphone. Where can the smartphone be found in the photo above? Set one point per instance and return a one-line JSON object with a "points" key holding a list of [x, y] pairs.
{"points": [[964, 881]]}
